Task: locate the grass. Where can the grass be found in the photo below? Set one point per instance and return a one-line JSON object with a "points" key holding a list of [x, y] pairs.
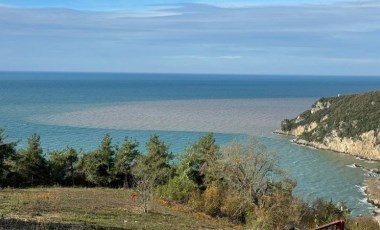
{"points": [[94, 208]]}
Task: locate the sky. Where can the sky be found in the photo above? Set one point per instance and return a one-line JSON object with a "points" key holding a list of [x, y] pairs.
{"points": [[290, 37]]}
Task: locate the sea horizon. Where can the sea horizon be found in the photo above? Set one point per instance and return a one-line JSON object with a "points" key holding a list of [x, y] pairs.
{"points": [[211, 74]]}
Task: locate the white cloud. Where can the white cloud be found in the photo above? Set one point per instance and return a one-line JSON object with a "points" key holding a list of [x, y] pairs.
{"points": [[5, 5], [231, 57], [354, 60], [202, 57], [169, 38]]}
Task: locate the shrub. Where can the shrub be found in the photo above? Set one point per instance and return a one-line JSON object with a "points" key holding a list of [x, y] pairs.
{"points": [[362, 223], [213, 197], [196, 200], [277, 210], [321, 212], [286, 125], [234, 207], [179, 188]]}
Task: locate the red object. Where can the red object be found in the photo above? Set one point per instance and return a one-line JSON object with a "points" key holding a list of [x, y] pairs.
{"points": [[133, 196], [339, 225]]}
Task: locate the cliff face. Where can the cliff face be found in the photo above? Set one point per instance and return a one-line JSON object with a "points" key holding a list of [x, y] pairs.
{"points": [[364, 147], [348, 124]]}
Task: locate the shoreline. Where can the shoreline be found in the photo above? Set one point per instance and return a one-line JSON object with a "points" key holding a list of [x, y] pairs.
{"points": [[280, 132], [374, 201], [308, 144], [373, 198]]}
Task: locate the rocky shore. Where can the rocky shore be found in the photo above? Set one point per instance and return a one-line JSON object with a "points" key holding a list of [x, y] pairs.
{"points": [[365, 147], [372, 190]]}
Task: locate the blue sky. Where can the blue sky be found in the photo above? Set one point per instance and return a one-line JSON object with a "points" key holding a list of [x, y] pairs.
{"points": [[138, 4], [323, 37]]}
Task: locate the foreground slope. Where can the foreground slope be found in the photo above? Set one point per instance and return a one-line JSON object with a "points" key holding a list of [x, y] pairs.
{"points": [[93, 208], [348, 124]]}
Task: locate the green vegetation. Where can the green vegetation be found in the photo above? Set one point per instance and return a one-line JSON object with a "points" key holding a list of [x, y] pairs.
{"points": [[124, 161], [349, 116], [239, 183], [31, 165], [7, 158], [62, 166], [156, 163], [97, 166]]}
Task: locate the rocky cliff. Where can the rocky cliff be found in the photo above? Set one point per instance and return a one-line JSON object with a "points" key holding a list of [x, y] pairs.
{"points": [[348, 124]]}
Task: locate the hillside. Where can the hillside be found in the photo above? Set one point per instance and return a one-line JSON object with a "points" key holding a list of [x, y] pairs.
{"points": [[348, 124], [94, 208]]}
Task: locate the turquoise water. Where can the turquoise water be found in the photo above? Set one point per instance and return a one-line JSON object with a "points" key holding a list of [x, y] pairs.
{"points": [[77, 109]]}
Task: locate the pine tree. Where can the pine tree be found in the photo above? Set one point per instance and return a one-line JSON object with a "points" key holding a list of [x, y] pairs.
{"points": [[97, 166], [31, 164], [201, 161], [61, 164], [155, 165], [125, 158], [71, 159], [153, 169], [7, 157]]}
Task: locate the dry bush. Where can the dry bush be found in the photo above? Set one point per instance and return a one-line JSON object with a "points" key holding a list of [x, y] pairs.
{"points": [[213, 197], [248, 169], [234, 207], [196, 200], [145, 187], [373, 189], [363, 223], [277, 210]]}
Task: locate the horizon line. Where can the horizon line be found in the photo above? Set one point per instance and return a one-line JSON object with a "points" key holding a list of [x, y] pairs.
{"points": [[184, 73]]}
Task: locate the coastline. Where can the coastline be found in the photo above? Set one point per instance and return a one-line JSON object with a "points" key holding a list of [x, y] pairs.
{"points": [[320, 146], [372, 197], [372, 191], [280, 132]]}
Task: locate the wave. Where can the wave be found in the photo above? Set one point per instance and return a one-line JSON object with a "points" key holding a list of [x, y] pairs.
{"points": [[352, 165], [370, 162], [364, 200], [361, 189]]}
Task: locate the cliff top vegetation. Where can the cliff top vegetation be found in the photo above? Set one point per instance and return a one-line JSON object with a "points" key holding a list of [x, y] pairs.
{"points": [[349, 115]]}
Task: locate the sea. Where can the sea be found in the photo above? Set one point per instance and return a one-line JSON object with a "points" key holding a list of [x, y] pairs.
{"points": [[78, 109]]}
